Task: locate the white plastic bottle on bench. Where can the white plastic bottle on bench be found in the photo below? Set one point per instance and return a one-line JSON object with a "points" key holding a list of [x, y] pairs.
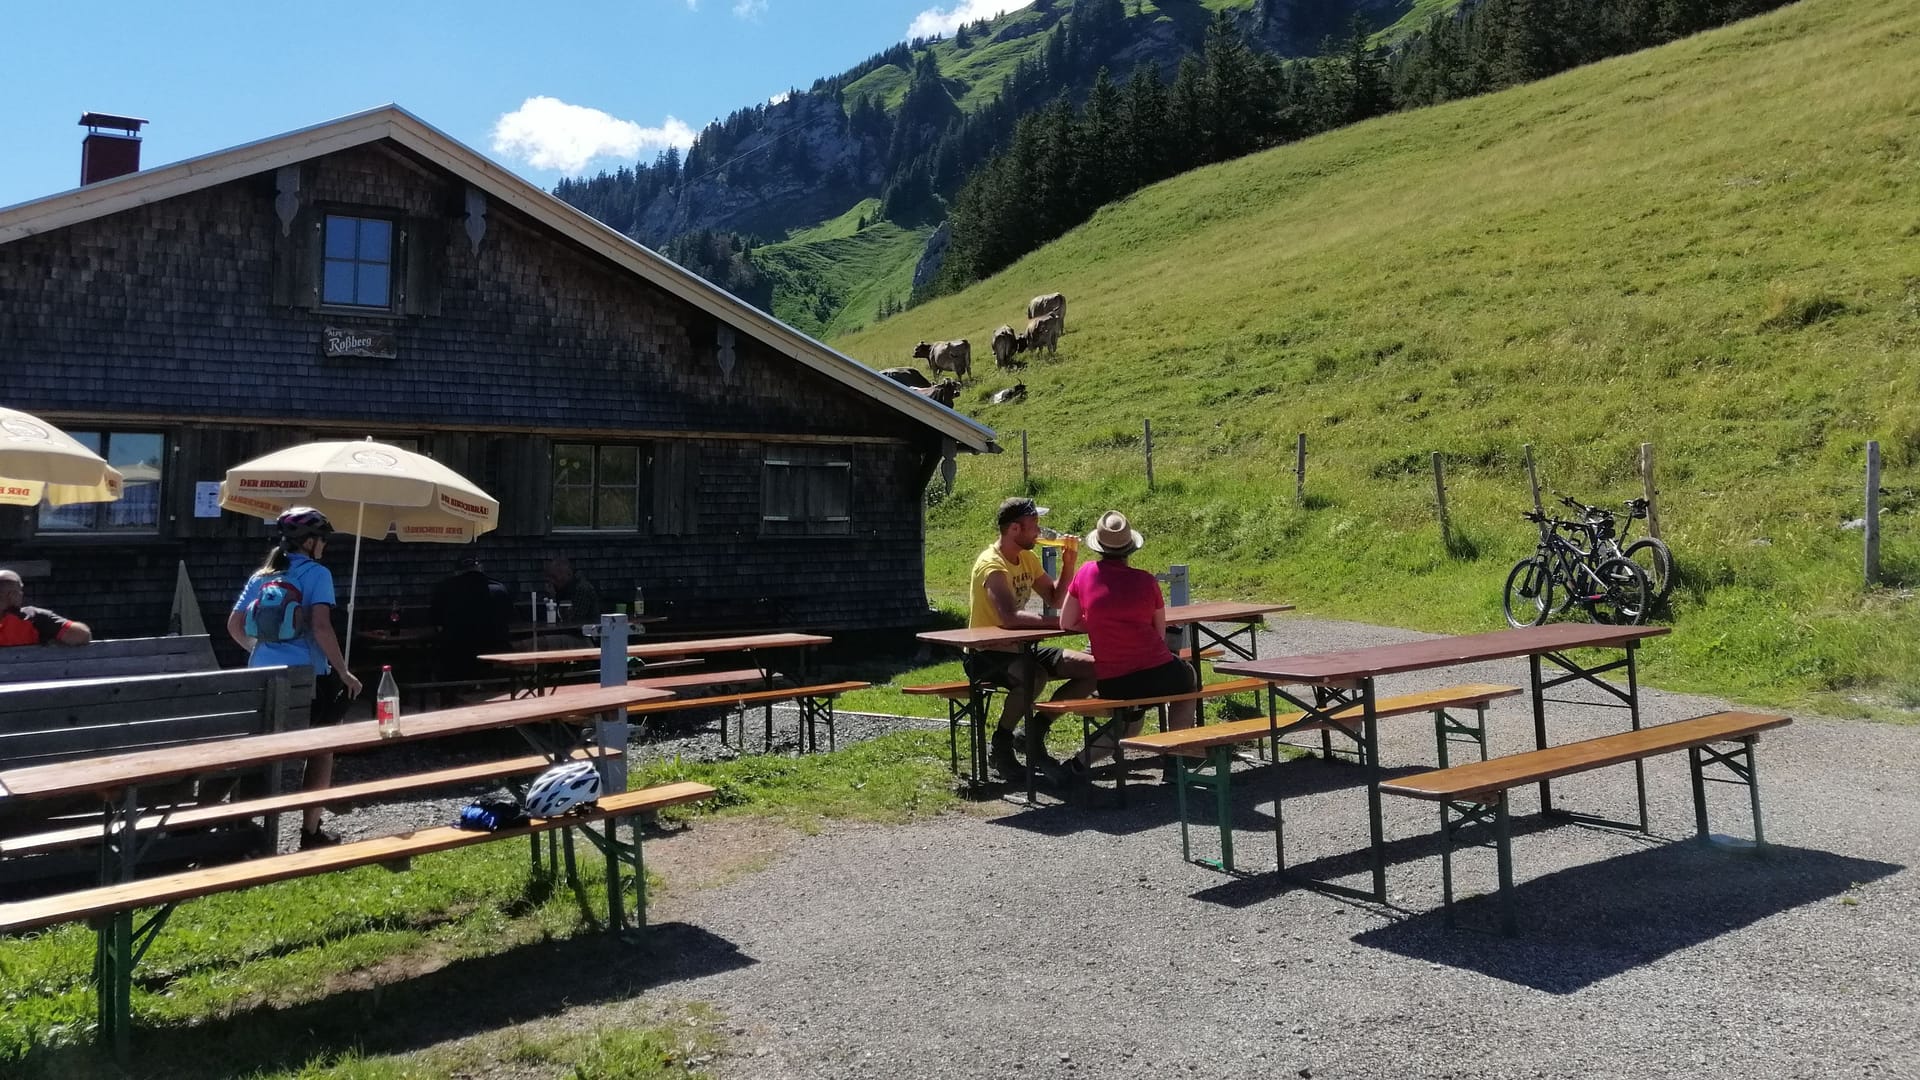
{"points": [[386, 704]]}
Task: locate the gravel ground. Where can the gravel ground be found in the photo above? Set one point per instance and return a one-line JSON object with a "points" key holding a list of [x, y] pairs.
{"points": [[1073, 942], [1067, 942]]}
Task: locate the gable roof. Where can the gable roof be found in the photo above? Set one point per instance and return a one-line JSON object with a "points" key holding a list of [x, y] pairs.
{"points": [[391, 122]]}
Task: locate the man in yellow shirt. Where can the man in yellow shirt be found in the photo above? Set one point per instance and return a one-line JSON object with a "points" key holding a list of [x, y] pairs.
{"points": [[1004, 579]]}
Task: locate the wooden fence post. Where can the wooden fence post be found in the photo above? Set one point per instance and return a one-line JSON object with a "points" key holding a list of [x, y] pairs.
{"points": [[1652, 492], [1533, 477], [1440, 495], [1026, 477], [1147, 436], [1300, 470], [1873, 514]]}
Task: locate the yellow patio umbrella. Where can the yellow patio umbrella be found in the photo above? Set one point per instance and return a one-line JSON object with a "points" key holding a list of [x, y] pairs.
{"points": [[40, 463], [365, 488]]}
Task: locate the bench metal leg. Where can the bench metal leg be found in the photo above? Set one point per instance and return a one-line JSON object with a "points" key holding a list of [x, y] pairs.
{"points": [[815, 711], [1633, 712], [1741, 763], [118, 948], [1446, 728], [1455, 819], [1215, 775], [616, 913]]}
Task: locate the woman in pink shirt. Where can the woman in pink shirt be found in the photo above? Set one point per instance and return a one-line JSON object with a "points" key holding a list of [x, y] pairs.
{"points": [[1120, 609]]}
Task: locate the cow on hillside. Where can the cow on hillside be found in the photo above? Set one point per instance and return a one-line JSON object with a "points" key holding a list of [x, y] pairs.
{"points": [[1005, 344], [954, 356], [907, 376], [946, 392], [1052, 303], [1043, 333]]}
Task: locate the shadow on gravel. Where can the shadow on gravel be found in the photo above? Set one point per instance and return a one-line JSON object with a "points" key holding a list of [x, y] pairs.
{"points": [[466, 997], [1151, 804], [1264, 884], [1588, 923]]}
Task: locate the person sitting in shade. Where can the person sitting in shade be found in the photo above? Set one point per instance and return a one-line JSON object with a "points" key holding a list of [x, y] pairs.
{"points": [[567, 587], [1125, 619], [23, 625], [471, 614]]}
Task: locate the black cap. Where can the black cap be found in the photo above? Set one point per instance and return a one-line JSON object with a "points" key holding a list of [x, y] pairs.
{"points": [[1016, 508]]}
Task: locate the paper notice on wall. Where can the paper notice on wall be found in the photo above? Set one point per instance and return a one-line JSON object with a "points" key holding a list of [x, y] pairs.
{"points": [[206, 499]]}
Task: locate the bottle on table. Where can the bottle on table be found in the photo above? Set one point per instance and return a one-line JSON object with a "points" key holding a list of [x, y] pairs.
{"points": [[386, 704], [639, 601], [393, 617]]}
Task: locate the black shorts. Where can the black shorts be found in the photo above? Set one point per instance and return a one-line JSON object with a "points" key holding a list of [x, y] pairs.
{"points": [[1170, 678], [992, 667], [329, 700]]}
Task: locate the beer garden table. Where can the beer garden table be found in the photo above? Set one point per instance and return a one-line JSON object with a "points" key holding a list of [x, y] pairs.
{"points": [[1346, 678]]}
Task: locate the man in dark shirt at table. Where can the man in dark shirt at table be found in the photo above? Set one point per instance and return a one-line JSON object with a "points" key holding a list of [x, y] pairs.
{"points": [[22, 625], [567, 587], [471, 612]]}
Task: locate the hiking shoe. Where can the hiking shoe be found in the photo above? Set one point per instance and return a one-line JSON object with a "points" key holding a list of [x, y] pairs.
{"points": [[318, 838], [1000, 758], [1070, 771]]}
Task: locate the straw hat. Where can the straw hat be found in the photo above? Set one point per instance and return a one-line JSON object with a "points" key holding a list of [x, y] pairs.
{"points": [[1114, 536]]}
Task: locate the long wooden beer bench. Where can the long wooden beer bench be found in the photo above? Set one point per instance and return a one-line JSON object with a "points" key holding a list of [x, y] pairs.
{"points": [[1476, 793]]}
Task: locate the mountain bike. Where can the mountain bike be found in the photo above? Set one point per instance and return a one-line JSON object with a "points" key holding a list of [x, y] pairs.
{"points": [[1612, 588], [1649, 552]]}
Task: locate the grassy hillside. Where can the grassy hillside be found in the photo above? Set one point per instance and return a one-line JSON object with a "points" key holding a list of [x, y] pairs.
{"points": [[831, 278], [1713, 246]]}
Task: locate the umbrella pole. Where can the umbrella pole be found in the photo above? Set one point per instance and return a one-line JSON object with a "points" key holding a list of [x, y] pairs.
{"points": [[353, 585]]}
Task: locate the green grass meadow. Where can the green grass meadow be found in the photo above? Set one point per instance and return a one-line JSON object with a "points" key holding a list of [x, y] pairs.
{"points": [[832, 278], [1708, 246]]}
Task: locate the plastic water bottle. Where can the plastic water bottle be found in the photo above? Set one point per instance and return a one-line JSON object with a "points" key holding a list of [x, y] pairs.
{"points": [[386, 704]]}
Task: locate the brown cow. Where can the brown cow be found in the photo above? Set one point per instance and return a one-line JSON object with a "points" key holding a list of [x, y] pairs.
{"points": [[1051, 304], [1005, 344], [1044, 333], [946, 392], [954, 356], [906, 376]]}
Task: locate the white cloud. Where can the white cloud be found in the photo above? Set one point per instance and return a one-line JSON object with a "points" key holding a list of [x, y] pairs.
{"points": [[548, 133], [750, 9], [945, 21], [780, 97]]}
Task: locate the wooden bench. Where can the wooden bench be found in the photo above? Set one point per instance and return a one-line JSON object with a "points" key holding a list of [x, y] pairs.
{"points": [[45, 724], [1093, 709], [1476, 793], [107, 659], [969, 704], [1214, 744], [332, 798], [816, 708], [119, 945]]}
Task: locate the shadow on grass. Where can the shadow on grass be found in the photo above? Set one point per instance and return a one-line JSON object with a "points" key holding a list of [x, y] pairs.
{"points": [[464, 998], [1588, 923]]}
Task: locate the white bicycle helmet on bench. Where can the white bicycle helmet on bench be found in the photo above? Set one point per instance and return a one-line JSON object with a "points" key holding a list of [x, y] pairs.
{"points": [[562, 788]]}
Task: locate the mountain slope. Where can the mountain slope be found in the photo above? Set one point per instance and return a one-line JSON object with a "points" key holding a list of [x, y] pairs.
{"points": [[1710, 246], [833, 278]]}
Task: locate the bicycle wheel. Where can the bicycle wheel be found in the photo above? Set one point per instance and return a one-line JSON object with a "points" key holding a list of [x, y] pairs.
{"points": [[1652, 556], [1623, 596], [1529, 596], [1564, 568]]}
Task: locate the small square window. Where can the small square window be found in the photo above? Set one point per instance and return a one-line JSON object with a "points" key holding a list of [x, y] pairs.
{"points": [[357, 266], [598, 487]]}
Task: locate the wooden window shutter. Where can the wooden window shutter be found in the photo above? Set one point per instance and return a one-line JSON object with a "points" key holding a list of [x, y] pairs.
{"points": [[18, 522], [296, 261], [521, 477], [674, 492], [422, 244]]}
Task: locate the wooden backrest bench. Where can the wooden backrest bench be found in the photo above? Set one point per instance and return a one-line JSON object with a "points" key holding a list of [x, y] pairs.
{"points": [[47, 724], [105, 659]]}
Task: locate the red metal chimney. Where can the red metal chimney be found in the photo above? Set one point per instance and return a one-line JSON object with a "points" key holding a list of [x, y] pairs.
{"points": [[114, 152]]}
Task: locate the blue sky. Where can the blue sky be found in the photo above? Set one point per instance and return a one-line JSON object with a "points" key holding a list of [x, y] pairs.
{"points": [[546, 89]]}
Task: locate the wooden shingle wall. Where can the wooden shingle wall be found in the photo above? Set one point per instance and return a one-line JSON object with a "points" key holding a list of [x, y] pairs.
{"points": [[177, 316]]}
